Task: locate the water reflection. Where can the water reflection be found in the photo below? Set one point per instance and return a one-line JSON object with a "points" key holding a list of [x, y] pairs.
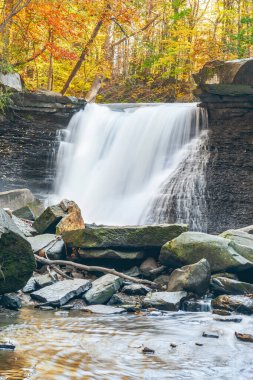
{"points": [[81, 346]]}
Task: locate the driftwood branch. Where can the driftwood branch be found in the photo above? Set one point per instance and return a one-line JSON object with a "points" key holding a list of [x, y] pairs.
{"points": [[87, 268]]}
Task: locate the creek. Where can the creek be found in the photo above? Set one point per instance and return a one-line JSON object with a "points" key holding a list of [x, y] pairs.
{"points": [[78, 345]]}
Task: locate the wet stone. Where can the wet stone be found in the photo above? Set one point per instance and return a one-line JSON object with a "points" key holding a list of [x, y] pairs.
{"points": [[136, 289], [125, 300], [61, 292], [51, 244], [30, 286], [103, 289], [11, 301], [169, 301], [104, 309]]}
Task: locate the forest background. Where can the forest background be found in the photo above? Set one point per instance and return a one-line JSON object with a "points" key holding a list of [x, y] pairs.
{"points": [[136, 50]]}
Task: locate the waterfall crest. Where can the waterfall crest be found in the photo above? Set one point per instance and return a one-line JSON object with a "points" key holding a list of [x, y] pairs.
{"points": [[125, 166]]}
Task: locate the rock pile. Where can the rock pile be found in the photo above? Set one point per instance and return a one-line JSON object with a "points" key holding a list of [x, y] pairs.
{"points": [[179, 268]]}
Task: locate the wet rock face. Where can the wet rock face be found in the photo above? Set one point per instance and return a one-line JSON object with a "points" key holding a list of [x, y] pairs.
{"points": [[28, 138], [16, 257], [229, 105]]}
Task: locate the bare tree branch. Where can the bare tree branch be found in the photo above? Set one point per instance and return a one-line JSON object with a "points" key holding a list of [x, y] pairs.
{"points": [[87, 268], [14, 11], [146, 26]]}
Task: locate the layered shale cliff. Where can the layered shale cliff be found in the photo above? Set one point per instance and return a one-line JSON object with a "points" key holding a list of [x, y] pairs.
{"points": [[28, 138], [227, 95]]}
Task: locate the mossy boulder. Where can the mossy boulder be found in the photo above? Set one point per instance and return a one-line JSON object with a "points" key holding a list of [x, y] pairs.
{"points": [[222, 254], [16, 257], [153, 236]]}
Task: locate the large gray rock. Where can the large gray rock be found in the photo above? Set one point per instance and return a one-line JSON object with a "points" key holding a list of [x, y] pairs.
{"points": [[12, 81], [222, 254], [25, 226], [61, 292], [66, 216], [241, 236], [169, 301], [16, 257], [136, 237], [31, 211], [51, 244], [103, 289], [15, 199], [191, 278], [239, 304], [223, 285], [110, 254]]}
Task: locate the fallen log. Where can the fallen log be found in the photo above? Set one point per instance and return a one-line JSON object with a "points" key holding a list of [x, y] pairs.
{"points": [[87, 268]]}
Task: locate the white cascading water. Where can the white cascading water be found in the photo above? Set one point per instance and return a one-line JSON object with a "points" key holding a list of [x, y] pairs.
{"points": [[115, 163]]}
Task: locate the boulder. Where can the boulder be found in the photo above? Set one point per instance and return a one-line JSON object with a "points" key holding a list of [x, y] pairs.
{"points": [[15, 199], [16, 257], [61, 292], [222, 254], [30, 286], [127, 237], [66, 216], [73, 218], [126, 300], [110, 254], [25, 226], [163, 280], [11, 81], [148, 265], [223, 285], [103, 289], [43, 280], [239, 304], [135, 290], [11, 301], [240, 236], [51, 244], [193, 278], [30, 211], [169, 301]]}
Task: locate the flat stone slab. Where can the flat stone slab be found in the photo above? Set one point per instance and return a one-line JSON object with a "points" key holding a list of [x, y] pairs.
{"points": [[152, 236], [169, 301], [104, 309], [61, 292], [103, 289], [15, 199], [52, 244]]}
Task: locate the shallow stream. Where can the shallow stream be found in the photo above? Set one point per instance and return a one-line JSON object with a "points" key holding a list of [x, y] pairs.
{"points": [[85, 346]]}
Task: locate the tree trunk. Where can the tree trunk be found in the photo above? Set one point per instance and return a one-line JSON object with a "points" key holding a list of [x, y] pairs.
{"points": [[82, 56]]}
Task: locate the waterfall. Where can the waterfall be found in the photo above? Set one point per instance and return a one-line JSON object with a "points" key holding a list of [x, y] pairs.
{"points": [[134, 165]]}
